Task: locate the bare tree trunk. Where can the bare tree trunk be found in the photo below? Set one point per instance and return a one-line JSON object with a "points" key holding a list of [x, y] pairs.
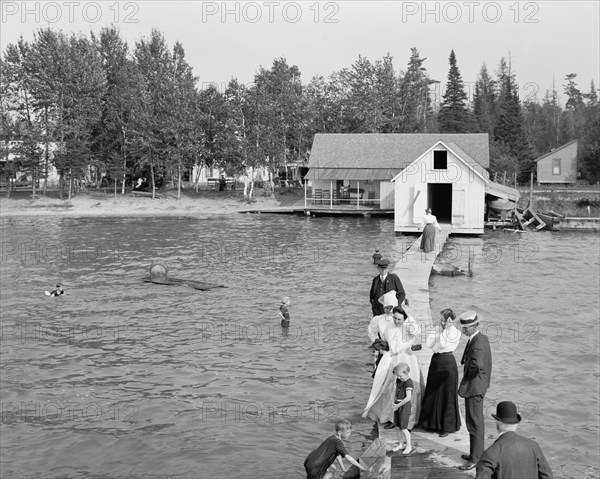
{"points": [[47, 154], [33, 182], [70, 183], [179, 180], [124, 162], [152, 175]]}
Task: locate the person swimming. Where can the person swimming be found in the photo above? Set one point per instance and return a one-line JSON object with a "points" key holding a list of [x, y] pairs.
{"points": [[59, 291]]}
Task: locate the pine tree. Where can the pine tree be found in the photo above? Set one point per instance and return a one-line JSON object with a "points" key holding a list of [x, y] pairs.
{"points": [[416, 111], [485, 102], [454, 116], [509, 127]]}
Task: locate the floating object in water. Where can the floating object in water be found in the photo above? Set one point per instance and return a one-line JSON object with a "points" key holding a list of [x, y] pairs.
{"points": [[445, 269], [56, 292], [158, 275]]}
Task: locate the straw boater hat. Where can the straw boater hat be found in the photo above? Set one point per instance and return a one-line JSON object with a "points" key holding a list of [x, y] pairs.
{"points": [[469, 318], [389, 299], [506, 412]]}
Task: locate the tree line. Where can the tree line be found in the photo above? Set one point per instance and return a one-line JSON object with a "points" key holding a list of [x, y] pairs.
{"points": [[113, 109]]}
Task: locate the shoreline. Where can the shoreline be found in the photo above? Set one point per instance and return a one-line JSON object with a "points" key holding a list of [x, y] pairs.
{"points": [[94, 204], [98, 205]]}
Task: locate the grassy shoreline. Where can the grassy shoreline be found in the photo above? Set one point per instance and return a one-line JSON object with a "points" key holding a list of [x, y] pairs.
{"points": [[568, 201]]}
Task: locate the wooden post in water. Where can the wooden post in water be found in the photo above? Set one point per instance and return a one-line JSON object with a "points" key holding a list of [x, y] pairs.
{"points": [[470, 266], [504, 180], [531, 189]]}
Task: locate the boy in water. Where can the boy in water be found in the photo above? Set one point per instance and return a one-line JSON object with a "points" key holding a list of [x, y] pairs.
{"points": [[284, 312], [402, 406], [376, 257], [318, 461], [57, 292]]}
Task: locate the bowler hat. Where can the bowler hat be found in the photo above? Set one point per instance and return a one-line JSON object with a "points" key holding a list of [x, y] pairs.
{"points": [[506, 412], [384, 263], [469, 318]]}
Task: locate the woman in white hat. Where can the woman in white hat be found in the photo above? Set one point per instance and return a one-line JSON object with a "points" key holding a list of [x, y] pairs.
{"points": [[401, 335]]}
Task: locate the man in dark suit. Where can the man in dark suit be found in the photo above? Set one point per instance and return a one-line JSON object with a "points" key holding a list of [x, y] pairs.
{"points": [[382, 283], [477, 364], [512, 456]]}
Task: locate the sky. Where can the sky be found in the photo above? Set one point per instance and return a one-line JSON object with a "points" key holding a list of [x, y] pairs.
{"points": [[545, 40]]}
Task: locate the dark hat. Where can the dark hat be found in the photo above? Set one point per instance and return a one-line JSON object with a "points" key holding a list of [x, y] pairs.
{"points": [[383, 263], [506, 412], [469, 318]]}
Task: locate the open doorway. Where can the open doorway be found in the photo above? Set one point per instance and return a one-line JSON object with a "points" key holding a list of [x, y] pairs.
{"points": [[439, 199]]}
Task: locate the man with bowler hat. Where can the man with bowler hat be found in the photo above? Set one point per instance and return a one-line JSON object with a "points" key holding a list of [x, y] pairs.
{"points": [[512, 456], [382, 283], [477, 371]]}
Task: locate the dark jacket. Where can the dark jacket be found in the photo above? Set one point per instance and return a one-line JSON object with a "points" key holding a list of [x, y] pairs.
{"points": [[391, 283], [513, 457], [477, 364]]}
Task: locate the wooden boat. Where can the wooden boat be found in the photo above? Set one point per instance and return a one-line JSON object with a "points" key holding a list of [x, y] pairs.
{"points": [[500, 205], [184, 282], [531, 218], [551, 219]]}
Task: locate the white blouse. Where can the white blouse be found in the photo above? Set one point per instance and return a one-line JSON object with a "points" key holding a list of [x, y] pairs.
{"points": [[429, 218], [444, 342]]}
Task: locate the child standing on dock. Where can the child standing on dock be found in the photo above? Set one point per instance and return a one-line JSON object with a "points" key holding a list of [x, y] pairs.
{"points": [[402, 406], [284, 312], [319, 460]]}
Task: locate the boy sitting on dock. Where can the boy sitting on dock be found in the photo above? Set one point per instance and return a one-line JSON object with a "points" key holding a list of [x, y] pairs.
{"points": [[318, 461]]}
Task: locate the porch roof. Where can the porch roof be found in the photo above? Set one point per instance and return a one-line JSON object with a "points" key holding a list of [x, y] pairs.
{"points": [[360, 174], [502, 191]]}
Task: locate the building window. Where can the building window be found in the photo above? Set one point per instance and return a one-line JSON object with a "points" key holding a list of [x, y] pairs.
{"points": [[440, 160], [556, 166]]}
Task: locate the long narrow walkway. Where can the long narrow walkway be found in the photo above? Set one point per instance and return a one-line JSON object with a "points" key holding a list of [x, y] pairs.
{"points": [[432, 456]]}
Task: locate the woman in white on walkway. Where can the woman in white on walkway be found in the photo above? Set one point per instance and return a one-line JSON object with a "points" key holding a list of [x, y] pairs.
{"points": [[400, 336]]}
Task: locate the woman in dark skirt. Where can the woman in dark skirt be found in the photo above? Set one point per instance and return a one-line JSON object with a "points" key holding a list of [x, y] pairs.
{"points": [[428, 239], [439, 409]]}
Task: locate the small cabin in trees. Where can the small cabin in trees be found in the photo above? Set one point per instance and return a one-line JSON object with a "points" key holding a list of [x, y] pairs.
{"points": [[558, 166]]}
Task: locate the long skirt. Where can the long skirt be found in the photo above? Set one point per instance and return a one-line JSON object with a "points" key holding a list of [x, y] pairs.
{"points": [[383, 392], [439, 410], [428, 239]]}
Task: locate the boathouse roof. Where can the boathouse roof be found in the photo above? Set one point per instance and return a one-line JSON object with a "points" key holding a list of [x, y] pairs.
{"points": [[389, 152]]}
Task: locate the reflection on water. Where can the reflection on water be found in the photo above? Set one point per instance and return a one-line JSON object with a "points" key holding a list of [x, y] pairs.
{"points": [[121, 378]]}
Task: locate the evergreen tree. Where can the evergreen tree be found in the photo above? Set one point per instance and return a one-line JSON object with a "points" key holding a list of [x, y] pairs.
{"points": [[509, 127], [416, 111], [454, 116], [485, 102]]}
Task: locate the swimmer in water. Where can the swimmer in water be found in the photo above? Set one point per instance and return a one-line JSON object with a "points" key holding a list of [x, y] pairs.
{"points": [[59, 291]]}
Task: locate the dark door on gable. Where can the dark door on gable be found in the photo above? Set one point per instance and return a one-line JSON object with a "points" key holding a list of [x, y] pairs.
{"points": [[439, 199]]}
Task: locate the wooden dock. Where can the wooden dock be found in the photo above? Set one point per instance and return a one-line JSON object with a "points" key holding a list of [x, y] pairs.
{"points": [[432, 456]]}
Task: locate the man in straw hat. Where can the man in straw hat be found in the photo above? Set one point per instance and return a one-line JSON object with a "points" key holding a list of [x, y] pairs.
{"points": [[512, 456], [382, 283], [477, 364]]}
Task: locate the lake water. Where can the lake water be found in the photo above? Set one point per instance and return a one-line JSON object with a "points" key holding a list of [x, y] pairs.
{"points": [[125, 379]]}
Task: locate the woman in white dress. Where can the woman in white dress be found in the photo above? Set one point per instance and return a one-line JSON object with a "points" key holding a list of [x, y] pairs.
{"points": [[400, 336]]}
